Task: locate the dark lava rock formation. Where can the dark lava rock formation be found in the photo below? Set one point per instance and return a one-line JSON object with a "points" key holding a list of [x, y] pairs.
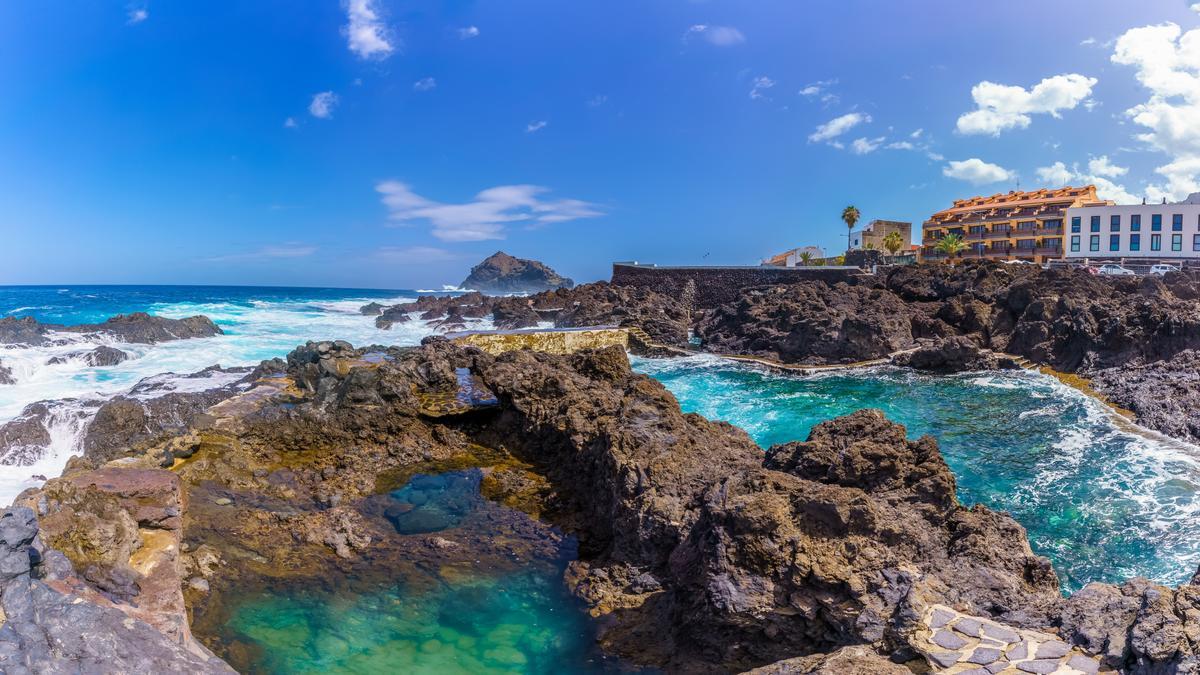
{"points": [[100, 356], [664, 318], [1132, 335], [697, 551], [138, 327], [502, 273], [6, 374]]}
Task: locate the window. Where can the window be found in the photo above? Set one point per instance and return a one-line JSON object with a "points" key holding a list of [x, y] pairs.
{"points": [[1114, 224], [1135, 222], [1177, 222], [1026, 244], [1094, 243], [1075, 223], [1026, 225], [1114, 242], [1075, 243], [1156, 242], [1177, 241], [976, 229], [1135, 242], [1095, 223], [1196, 242], [1052, 225], [1156, 222]]}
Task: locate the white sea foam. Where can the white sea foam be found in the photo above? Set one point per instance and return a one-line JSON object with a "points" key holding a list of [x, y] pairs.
{"points": [[255, 331]]}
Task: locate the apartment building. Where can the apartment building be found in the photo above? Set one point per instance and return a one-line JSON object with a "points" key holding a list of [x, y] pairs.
{"points": [[1016, 225], [1168, 232]]}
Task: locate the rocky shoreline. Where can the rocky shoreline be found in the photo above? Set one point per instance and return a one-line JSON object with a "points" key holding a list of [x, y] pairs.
{"points": [[697, 552], [846, 552]]}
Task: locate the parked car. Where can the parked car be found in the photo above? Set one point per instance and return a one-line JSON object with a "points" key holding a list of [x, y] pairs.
{"points": [[1161, 270], [1115, 270]]}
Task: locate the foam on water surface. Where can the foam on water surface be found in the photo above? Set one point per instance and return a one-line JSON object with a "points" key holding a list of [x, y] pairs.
{"points": [[259, 323], [1103, 502]]}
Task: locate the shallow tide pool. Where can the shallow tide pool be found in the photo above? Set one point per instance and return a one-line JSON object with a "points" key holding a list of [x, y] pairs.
{"points": [[491, 600], [1103, 504]]}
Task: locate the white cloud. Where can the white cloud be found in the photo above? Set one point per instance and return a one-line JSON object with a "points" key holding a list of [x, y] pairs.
{"points": [[900, 145], [468, 33], [917, 133], [137, 15], [1055, 175], [1196, 7], [270, 252], [1101, 166], [1002, 107], [863, 146], [720, 36], [424, 84], [597, 101], [535, 126], [323, 104], [487, 215], [760, 85], [1168, 64], [1087, 42], [976, 171], [820, 91], [838, 126], [1099, 173], [366, 34], [290, 123], [414, 255]]}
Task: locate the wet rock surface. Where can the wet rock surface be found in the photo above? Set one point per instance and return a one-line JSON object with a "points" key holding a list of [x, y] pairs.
{"points": [[138, 327], [100, 356], [6, 376], [1164, 394], [502, 273]]}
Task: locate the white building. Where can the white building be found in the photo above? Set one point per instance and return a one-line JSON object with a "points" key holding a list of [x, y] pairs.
{"points": [[1146, 231]]}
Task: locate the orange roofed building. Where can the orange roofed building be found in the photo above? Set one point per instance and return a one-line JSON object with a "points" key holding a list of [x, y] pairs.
{"points": [[1012, 226]]}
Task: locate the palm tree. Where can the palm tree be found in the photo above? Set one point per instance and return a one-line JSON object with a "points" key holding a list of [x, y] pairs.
{"points": [[805, 257], [850, 216], [893, 242], [951, 244]]}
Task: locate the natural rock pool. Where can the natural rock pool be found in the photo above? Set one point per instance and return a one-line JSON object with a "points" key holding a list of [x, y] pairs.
{"points": [[481, 591], [1102, 503]]}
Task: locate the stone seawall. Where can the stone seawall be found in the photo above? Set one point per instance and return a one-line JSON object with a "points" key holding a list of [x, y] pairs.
{"points": [[553, 341], [711, 287]]}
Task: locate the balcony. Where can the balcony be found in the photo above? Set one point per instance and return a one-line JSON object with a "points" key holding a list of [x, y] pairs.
{"points": [[999, 252], [1052, 251], [1049, 231], [1022, 252], [997, 234], [974, 236]]}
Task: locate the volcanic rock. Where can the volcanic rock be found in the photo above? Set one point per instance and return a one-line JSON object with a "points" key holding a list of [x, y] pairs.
{"points": [[810, 323], [55, 624], [6, 374], [502, 273], [953, 355], [100, 356], [371, 309], [1165, 395], [137, 327]]}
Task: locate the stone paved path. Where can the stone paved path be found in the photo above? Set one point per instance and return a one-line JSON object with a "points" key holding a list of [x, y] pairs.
{"points": [[959, 644]]}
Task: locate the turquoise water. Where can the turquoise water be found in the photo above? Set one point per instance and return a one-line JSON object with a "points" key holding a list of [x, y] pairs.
{"points": [[492, 606], [1103, 504]]}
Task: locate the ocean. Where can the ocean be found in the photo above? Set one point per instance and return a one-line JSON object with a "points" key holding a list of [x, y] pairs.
{"points": [[259, 323]]}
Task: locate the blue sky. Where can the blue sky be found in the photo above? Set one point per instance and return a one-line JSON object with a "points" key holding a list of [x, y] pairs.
{"points": [[390, 143]]}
